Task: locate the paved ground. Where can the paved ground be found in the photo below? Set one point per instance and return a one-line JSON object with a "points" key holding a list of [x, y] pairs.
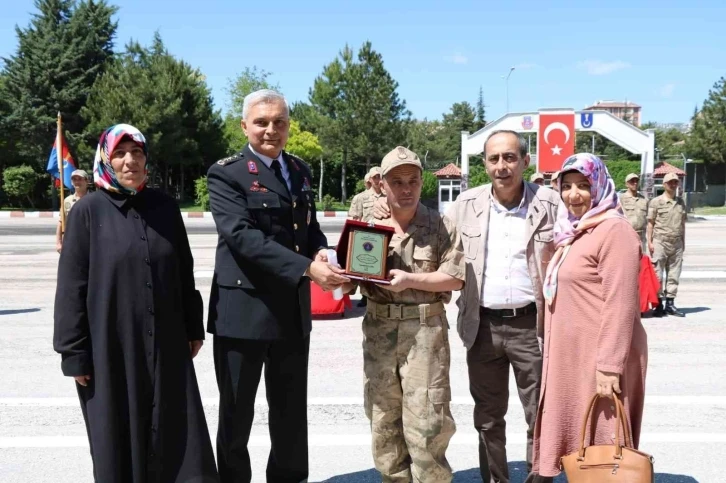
{"points": [[42, 437]]}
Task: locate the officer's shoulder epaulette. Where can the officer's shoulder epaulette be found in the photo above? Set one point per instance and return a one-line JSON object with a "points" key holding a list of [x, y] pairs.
{"points": [[231, 159]]}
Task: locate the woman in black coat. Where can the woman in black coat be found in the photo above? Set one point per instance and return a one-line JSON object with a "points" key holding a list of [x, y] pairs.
{"points": [[128, 322]]}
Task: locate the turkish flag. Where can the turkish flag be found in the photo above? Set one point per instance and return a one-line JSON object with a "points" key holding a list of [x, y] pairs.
{"points": [[555, 141]]}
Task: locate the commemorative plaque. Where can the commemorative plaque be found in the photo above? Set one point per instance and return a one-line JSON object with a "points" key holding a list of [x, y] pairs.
{"points": [[363, 247]]}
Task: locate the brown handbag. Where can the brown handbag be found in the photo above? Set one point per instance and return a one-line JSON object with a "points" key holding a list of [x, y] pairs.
{"points": [[608, 463]]}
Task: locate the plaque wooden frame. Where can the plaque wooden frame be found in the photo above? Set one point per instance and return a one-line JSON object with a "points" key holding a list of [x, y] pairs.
{"points": [[344, 250]]}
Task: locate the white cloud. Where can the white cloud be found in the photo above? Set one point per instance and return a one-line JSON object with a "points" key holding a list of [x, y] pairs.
{"points": [[598, 67], [667, 90], [458, 58]]}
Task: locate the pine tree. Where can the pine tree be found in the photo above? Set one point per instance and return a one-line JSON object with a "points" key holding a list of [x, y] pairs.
{"points": [[60, 55], [480, 111]]}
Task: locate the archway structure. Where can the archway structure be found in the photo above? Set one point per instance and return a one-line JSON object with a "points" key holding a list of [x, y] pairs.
{"points": [[613, 128]]}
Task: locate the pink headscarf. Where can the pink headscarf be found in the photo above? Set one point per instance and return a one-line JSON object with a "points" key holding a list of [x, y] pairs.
{"points": [[605, 204]]}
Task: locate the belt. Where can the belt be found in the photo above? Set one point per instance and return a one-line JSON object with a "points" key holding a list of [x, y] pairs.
{"points": [[511, 313], [404, 311]]}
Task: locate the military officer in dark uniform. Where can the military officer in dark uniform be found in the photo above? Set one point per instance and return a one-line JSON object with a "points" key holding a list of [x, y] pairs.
{"points": [[270, 247]]}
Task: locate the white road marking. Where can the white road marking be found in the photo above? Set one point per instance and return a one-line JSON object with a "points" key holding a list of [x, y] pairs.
{"points": [[703, 274], [462, 438]]}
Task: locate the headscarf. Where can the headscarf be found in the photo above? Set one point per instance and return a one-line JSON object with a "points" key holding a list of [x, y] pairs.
{"points": [[604, 205], [103, 174]]}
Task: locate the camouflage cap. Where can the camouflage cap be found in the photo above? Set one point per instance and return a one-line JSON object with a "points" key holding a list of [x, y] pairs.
{"points": [[535, 177], [555, 175], [375, 171], [670, 177], [367, 177], [631, 176], [400, 156], [79, 172]]}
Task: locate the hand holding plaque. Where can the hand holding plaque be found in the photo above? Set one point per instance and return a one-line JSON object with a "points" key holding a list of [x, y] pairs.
{"points": [[364, 249]]}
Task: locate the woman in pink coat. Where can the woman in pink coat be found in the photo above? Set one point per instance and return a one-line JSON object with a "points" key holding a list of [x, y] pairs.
{"points": [[593, 341]]}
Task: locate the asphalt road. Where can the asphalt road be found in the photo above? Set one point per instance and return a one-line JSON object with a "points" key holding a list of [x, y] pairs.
{"points": [[42, 436]]}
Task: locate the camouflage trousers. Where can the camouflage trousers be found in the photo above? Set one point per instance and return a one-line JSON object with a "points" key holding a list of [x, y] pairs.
{"points": [[668, 258], [407, 397]]}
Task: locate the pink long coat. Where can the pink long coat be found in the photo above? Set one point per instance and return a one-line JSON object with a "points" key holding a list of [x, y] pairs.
{"points": [[594, 324]]}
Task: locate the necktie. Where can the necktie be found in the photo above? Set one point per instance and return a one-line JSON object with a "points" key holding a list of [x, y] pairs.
{"points": [[278, 172]]}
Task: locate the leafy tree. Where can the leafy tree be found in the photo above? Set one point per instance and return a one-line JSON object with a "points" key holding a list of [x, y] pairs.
{"points": [[303, 143], [359, 112], [60, 54], [461, 117], [170, 103], [708, 134], [19, 183], [430, 186]]}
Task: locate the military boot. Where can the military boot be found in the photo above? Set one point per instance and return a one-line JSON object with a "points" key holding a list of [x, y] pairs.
{"points": [[671, 309], [659, 311]]}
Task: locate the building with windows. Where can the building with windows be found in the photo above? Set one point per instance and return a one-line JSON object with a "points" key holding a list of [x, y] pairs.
{"points": [[449, 185], [627, 111]]}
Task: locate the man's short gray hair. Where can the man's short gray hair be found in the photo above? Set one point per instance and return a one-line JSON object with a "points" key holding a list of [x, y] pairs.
{"points": [[523, 151], [263, 95]]}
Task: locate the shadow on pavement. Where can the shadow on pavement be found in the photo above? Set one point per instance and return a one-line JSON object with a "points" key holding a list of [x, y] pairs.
{"points": [[517, 474], [18, 311], [693, 310]]}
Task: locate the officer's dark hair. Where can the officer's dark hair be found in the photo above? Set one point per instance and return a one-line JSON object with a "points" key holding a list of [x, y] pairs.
{"points": [[523, 151]]}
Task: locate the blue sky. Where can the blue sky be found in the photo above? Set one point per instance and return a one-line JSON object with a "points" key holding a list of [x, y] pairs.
{"points": [[664, 55]]}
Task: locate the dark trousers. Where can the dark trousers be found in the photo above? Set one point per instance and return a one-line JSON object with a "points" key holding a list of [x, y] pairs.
{"points": [[499, 343], [238, 364]]}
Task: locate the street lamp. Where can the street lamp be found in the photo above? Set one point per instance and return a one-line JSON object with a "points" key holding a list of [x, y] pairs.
{"points": [[511, 69]]}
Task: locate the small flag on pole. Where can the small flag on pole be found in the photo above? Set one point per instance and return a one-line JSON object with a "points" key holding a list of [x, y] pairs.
{"points": [[68, 164]]}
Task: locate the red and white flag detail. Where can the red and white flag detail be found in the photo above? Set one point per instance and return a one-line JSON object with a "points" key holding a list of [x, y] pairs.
{"points": [[555, 140]]}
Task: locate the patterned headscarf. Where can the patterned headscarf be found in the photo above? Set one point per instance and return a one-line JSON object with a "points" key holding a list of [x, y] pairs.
{"points": [[103, 175], [604, 205]]}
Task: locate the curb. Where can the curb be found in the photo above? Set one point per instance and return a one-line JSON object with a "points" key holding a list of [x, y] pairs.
{"points": [[185, 214]]}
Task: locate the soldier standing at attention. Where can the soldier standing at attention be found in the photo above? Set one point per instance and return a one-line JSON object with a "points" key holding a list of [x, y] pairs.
{"points": [[406, 342], [635, 207], [79, 178], [666, 242], [355, 212]]}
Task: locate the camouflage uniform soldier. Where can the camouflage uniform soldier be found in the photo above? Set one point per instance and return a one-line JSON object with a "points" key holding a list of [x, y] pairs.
{"points": [[361, 207], [635, 207], [406, 342], [667, 241], [355, 212]]}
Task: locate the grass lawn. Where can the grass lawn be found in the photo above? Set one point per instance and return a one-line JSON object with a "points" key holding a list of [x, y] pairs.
{"points": [[711, 210]]}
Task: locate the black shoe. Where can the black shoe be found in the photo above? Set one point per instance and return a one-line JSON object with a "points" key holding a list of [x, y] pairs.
{"points": [[659, 311], [672, 309]]}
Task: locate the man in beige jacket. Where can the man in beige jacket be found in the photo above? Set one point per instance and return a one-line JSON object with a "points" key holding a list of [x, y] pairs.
{"points": [[506, 229]]}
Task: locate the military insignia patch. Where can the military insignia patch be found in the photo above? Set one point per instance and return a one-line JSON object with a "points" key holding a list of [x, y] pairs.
{"points": [[252, 167], [224, 161]]}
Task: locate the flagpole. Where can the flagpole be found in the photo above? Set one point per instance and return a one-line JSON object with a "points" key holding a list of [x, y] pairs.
{"points": [[59, 155]]}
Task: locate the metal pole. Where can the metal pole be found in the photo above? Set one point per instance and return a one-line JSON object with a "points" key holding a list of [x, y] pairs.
{"points": [[506, 83]]}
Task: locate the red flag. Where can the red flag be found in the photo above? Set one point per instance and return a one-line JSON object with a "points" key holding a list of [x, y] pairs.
{"points": [[555, 141]]}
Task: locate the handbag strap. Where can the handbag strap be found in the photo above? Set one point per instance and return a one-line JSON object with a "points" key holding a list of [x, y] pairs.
{"points": [[621, 421]]}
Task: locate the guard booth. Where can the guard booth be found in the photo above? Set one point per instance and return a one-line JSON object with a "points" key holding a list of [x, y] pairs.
{"points": [[449, 178]]}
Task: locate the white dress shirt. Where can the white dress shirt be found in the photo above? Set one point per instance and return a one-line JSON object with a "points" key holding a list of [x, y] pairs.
{"points": [[507, 284], [283, 165]]}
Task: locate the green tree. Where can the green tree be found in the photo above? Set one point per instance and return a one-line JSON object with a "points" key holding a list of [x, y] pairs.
{"points": [[303, 144], [60, 54], [170, 103], [708, 134], [480, 111], [359, 113], [461, 117], [19, 183], [430, 186]]}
